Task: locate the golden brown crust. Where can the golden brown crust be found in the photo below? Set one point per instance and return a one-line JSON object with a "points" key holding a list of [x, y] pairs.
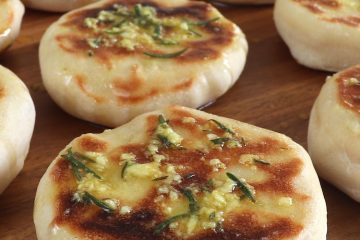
{"points": [[316, 6], [2, 92], [220, 33], [92, 144], [350, 93], [139, 224]]}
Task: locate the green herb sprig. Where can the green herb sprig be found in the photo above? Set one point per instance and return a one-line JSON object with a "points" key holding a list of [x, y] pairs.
{"points": [[193, 208], [242, 186], [261, 161], [220, 141], [222, 126], [77, 166], [90, 199]]}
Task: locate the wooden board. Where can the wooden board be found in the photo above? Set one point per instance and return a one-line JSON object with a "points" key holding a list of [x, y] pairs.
{"points": [[273, 92]]}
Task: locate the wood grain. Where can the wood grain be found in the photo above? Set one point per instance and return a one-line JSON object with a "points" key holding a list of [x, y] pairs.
{"points": [[273, 92]]}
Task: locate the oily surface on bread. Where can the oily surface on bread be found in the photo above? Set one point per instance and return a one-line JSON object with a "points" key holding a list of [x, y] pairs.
{"points": [[334, 131], [16, 125], [111, 84], [286, 199]]}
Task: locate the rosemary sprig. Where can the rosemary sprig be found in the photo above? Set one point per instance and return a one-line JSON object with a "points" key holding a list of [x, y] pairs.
{"points": [[77, 166], [88, 198], [208, 186], [160, 178], [222, 126], [220, 141], [162, 119], [165, 141], [123, 170], [165, 224], [261, 161], [193, 205], [166, 55], [242, 186], [207, 22]]}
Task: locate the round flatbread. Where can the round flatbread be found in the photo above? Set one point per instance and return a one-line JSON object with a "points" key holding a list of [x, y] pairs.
{"points": [[11, 13], [321, 34], [109, 66], [334, 131], [181, 173], [17, 120], [56, 5]]}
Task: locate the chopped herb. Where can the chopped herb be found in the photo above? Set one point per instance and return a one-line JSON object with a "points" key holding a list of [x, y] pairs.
{"points": [[220, 141], [160, 178], [123, 170], [166, 55], [260, 161], [222, 126], [242, 186], [208, 186], [190, 175], [194, 32], [193, 205], [162, 119], [77, 166], [212, 216], [88, 198], [219, 227], [94, 42], [165, 141], [207, 22], [165, 224]]}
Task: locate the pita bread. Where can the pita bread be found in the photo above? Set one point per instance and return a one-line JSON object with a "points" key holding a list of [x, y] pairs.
{"points": [[11, 13], [321, 34], [334, 131], [107, 74], [17, 123], [181, 173]]}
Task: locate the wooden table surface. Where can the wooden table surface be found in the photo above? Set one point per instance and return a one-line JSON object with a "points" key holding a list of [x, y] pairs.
{"points": [[273, 92]]}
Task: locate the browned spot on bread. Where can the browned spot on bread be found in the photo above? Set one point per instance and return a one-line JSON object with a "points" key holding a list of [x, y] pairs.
{"points": [[280, 177], [315, 5], [246, 226], [2, 92], [89, 220], [183, 86], [133, 99], [92, 144], [81, 82], [350, 94], [350, 20], [60, 172], [130, 85], [220, 33]]}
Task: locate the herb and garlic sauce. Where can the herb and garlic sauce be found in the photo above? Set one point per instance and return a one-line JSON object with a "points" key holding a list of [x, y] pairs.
{"points": [[193, 178]]}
